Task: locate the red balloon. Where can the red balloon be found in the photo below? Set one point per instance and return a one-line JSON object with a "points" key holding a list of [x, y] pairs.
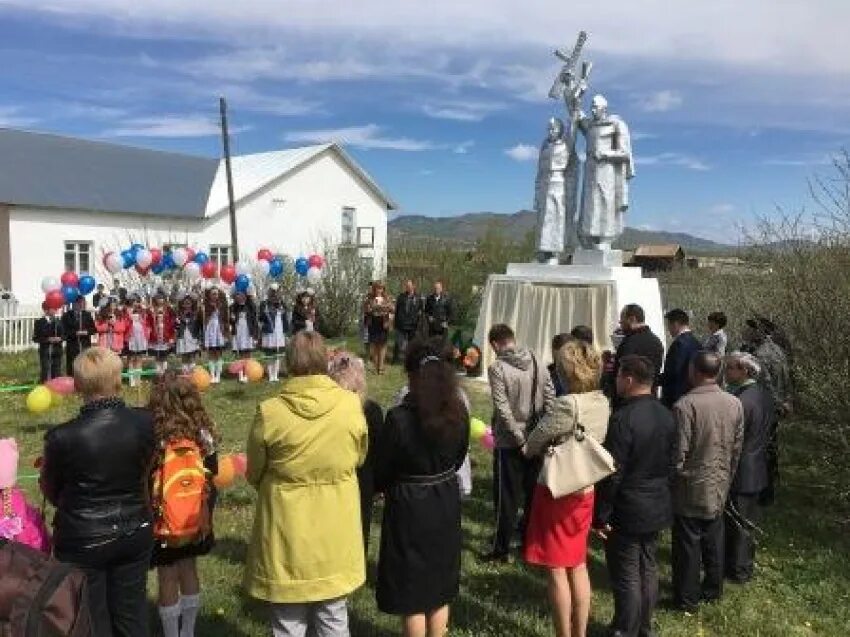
{"points": [[191, 254], [70, 279], [316, 261], [228, 274], [265, 255], [143, 271], [209, 270], [156, 256], [54, 300]]}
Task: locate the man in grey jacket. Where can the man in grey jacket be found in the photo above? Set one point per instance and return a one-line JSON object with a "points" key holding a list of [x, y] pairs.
{"points": [[522, 392], [710, 433]]}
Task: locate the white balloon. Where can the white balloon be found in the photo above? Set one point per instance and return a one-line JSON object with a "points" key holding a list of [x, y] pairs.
{"points": [[193, 271], [243, 267], [314, 275], [49, 284], [114, 263], [180, 257], [263, 267], [144, 258]]}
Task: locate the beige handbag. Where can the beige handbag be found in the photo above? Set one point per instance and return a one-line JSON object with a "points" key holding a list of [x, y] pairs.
{"points": [[578, 462]]}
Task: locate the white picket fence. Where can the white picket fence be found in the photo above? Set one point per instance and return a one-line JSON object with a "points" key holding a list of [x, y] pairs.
{"points": [[16, 326]]}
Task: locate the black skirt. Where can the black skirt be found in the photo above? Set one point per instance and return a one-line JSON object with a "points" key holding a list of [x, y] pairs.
{"points": [[419, 561]]}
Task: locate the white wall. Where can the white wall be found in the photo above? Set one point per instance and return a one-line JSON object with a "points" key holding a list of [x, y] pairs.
{"points": [[313, 195], [312, 201]]}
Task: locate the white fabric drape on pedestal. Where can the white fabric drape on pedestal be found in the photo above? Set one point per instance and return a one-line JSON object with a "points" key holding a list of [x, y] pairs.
{"points": [[538, 311]]}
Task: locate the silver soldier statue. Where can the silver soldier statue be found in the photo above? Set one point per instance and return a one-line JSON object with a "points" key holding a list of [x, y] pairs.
{"points": [[550, 196], [607, 171]]}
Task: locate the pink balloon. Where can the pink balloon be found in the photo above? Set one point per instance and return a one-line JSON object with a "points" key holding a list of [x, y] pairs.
{"points": [[316, 261], [488, 441], [240, 464], [235, 367], [62, 385]]}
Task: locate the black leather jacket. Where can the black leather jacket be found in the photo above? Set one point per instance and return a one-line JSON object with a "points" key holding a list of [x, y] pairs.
{"points": [[96, 471]]}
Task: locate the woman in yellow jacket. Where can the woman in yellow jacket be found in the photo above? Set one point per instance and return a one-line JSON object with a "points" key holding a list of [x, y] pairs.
{"points": [[306, 550]]}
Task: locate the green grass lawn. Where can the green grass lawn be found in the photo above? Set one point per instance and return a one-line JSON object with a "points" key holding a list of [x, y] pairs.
{"points": [[802, 584]]}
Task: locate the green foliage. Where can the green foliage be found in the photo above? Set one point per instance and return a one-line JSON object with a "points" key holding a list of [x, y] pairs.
{"points": [[344, 283]]}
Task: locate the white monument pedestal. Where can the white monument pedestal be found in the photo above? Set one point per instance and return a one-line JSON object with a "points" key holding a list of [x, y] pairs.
{"points": [[541, 300]]}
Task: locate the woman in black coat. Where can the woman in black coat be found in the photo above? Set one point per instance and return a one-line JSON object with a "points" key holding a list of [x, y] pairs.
{"points": [[423, 444]]}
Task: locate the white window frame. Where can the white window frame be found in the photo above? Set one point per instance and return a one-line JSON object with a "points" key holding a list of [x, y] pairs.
{"points": [[348, 231], [366, 236], [73, 248], [216, 255]]}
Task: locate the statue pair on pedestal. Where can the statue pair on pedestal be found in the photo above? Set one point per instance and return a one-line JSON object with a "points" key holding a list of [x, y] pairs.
{"points": [[590, 217]]}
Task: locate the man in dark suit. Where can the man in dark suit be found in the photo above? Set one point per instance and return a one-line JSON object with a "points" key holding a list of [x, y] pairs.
{"points": [[47, 332], [634, 504], [743, 510], [638, 340], [674, 379], [408, 311], [439, 311], [78, 329]]}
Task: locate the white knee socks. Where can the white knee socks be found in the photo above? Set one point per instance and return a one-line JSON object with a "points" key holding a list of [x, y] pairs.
{"points": [[274, 370], [189, 605], [170, 618]]}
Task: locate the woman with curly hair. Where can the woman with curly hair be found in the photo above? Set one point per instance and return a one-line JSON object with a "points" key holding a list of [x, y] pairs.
{"points": [[179, 414]]}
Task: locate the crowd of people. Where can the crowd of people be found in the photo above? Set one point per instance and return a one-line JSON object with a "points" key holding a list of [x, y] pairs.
{"points": [[691, 442], [691, 438]]}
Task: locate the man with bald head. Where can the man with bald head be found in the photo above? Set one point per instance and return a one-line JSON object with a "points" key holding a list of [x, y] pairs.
{"points": [[710, 434]]}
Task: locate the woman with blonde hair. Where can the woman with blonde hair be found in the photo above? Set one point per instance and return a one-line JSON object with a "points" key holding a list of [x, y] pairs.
{"points": [[558, 529], [348, 371], [306, 550]]}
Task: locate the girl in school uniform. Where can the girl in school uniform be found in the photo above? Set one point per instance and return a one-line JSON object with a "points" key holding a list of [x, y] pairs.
{"points": [[216, 330], [161, 321], [187, 331], [138, 334], [274, 325], [111, 326], [243, 323]]}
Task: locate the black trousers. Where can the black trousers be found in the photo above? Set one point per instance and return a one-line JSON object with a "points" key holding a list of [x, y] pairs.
{"points": [[740, 546], [50, 362], [72, 350], [633, 569], [116, 574], [768, 496], [697, 546], [514, 477], [403, 337]]}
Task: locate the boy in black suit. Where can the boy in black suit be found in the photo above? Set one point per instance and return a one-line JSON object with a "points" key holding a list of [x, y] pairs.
{"points": [[48, 334], [78, 329]]}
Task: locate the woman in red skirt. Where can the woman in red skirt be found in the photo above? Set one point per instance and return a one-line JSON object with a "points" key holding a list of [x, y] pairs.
{"points": [[556, 538]]}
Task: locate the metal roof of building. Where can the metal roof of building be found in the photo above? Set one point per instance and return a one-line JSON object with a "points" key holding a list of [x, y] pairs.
{"points": [[54, 171], [670, 250]]}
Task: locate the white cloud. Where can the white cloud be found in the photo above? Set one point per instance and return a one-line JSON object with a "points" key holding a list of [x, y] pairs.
{"points": [[461, 110], [522, 152], [722, 208], [463, 147], [673, 159], [660, 101], [367, 137], [15, 117], [170, 126], [810, 159], [641, 135]]}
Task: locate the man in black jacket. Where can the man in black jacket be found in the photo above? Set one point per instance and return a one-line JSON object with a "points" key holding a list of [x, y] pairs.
{"points": [[408, 311], [638, 340], [78, 327], [675, 377], [742, 509], [634, 504], [439, 311], [47, 332]]}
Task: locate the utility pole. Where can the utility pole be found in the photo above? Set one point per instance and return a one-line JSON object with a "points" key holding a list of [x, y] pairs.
{"points": [[234, 240]]}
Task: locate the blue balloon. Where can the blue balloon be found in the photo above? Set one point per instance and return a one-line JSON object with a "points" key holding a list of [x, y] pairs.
{"points": [[70, 293], [136, 247], [86, 284], [302, 265], [168, 261], [158, 268], [242, 283], [275, 268], [129, 258], [201, 258]]}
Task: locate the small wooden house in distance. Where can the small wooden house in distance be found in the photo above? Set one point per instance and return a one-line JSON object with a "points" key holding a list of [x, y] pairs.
{"points": [[658, 258]]}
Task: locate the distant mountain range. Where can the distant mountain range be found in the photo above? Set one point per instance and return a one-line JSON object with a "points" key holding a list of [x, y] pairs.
{"points": [[468, 228]]}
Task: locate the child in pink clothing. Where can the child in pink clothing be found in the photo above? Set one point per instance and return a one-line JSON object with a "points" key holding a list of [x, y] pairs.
{"points": [[19, 521]]}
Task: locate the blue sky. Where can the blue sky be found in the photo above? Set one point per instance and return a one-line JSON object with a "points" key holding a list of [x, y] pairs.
{"points": [[732, 105]]}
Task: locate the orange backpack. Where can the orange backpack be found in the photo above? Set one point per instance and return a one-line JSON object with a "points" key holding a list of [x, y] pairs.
{"points": [[182, 489]]}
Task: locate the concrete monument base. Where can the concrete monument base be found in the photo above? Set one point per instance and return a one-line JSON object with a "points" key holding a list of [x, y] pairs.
{"points": [[541, 300], [606, 258]]}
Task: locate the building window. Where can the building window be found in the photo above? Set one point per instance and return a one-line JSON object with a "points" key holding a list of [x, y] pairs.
{"points": [[78, 256], [366, 237], [368, 263], [220, 255], [349, 225]]}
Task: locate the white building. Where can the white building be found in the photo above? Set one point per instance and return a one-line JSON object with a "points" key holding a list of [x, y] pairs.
{"points": [[65, 202]]}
